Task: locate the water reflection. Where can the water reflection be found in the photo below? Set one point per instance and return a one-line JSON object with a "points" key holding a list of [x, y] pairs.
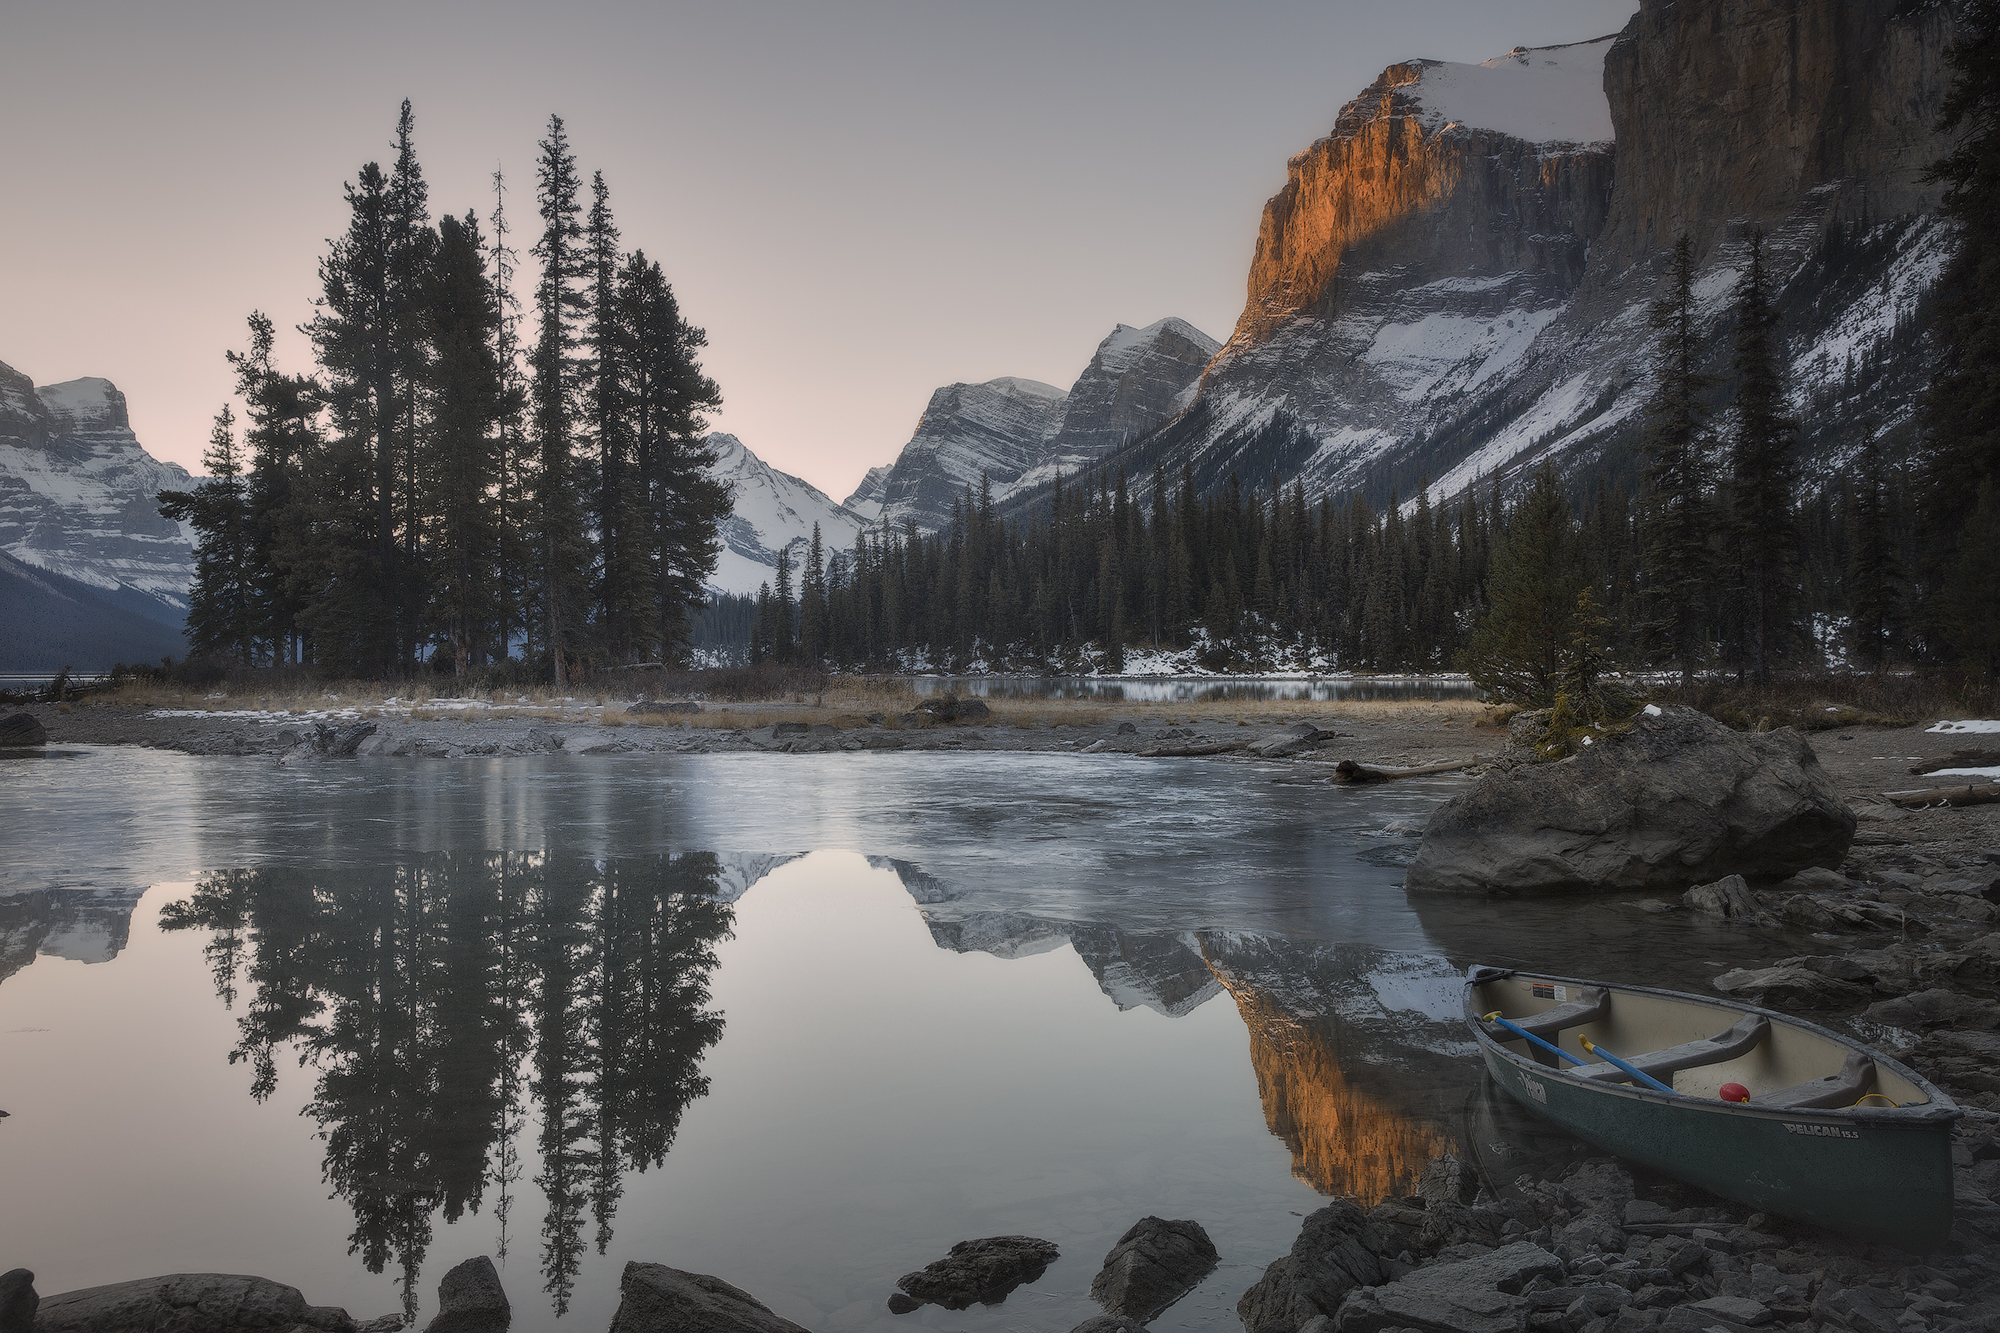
{"points": [[1196, 689], [448, 1001]]}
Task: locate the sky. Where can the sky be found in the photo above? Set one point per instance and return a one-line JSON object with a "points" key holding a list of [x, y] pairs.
{"points": [[859, 202]]}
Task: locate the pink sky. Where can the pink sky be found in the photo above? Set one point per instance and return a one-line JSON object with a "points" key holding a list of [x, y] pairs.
{"points": [[859, 201]]}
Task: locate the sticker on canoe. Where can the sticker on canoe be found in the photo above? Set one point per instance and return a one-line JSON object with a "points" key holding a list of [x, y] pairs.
{"points": [[1549, 991], [1536, 1090], [1820, 1131]]}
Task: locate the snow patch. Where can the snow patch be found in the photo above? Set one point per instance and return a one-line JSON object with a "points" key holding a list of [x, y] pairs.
{"points": [[1972, 726], [1964, 773], [1552, 94]]}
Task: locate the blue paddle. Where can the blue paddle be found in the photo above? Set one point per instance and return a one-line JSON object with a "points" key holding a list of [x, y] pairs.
{"points": [[1638, 1075], [1494, 1017]]}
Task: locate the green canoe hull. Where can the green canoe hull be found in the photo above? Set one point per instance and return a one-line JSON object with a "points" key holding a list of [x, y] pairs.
{"points": [[1873, 1178]]}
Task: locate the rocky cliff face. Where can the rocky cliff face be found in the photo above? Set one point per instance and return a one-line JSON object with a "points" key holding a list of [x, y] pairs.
{"points": [[1018, 434], [77, 495], [997, 430], [1454, 283]]}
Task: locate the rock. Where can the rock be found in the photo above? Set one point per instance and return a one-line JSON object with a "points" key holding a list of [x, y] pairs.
{"points": [[1338, 1249], [1448, 1178], [17, 1301], [1095, 747], [22, 729], [983, 1270], [1861, 1309], [1474, 1296], [1279, 746], [1675, 801], [1818, 879], [654, 1298], [1729, 898], [1933, 1009], [653, 708], [1820, 914], [916, 718], [972, 710], [209, 1302], [1787, 988], [1736, 1309], [539, 739], [1601, 1187], [1640, 1213], [470, 1300], [1127, 729], [381, 1323], [1153, 1265], [1109, 1323], [1831, 965], [340, 742]]}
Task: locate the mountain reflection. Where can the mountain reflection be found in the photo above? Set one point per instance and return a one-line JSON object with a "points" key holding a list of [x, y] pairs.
{"points": [[447, 1001]]}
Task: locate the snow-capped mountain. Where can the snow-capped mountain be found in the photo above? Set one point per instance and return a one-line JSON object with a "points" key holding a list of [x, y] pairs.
{"points": [[77, 495], [1454, 283], [774, 510], [867, 498], [1017, 433]]}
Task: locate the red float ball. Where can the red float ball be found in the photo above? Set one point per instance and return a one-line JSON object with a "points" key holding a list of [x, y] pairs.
{"points": [[1735, 1092]]}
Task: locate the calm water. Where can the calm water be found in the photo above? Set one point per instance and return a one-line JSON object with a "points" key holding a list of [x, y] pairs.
{"points": [[798, 1022], [1195, 689]]}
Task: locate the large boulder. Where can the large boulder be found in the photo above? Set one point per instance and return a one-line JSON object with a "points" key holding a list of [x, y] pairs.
{"points": [[470, 1300], [654, 1298], [186, 1303], [1479, 1295], [1675, 800], [982, 1270], [1338, 1249], [22, 729], [17, 1301], [1153, 1265]]}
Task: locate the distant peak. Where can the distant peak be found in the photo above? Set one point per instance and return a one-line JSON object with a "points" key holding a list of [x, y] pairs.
{"points": [[1009, 384]]}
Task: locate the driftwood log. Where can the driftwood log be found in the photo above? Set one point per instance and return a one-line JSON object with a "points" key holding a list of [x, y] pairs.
{"points": [[1347, 770], [1986, 793], [1960, 759]]}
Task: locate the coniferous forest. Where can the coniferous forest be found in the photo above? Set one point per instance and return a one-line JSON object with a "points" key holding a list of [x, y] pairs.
{"points": [[456, 481]]}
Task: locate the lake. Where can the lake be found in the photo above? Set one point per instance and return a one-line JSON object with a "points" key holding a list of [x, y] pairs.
{"points": [[800, 1022]]}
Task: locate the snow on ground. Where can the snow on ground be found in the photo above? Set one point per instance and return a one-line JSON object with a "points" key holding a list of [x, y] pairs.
{"points": [[1551, 94], [1980, 726], [1991, 773], [337, 711]]}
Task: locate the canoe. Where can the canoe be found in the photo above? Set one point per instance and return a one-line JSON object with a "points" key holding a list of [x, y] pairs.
{"points": [[1833, 1133]]}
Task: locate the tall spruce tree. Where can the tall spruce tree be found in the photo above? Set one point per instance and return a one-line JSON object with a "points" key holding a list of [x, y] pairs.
{"points": [[1874, 575], [1518, 651], [466, 403], [558, 515], [511, 502], [411, 246], [286, 455], [1763, 477], [676, 533], [1679, 514], [221, 611], [1962, 410]]}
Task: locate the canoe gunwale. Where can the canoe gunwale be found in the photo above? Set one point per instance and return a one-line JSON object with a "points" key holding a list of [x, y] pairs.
{"points": [[1939, 1111]]}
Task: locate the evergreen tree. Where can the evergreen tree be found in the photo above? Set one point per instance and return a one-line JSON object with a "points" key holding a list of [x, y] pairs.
{"points": [[1962, 409], [221, 610], [814, 625], [562, 554], [1874, 576], [466, 404], [510, 597], [1967, 614], [1519, 651], [1678, 512], [281, 418], [350, 564], [1763, 476]]}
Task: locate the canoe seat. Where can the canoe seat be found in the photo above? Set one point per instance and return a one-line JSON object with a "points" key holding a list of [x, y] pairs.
{"points": [[1663, 1064], [1592, 1004], [1850, 1085]]}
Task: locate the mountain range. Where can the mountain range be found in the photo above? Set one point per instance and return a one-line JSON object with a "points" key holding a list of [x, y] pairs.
{"points": [[1452, 286]]}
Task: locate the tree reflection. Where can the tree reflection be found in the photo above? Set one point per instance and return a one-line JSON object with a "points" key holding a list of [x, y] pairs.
{"points": [[431, 996]]}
